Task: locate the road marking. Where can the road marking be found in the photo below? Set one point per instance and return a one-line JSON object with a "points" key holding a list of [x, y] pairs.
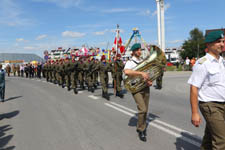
{"points": [[155, 123], [79, 92], [121, 106], [93, 97]]}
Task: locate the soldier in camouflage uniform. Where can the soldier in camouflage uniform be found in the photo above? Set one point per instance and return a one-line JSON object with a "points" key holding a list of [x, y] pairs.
{"points": [[95, 74], [90, 73], [67, 67], [117, 68], [62, 73], [80, 68], [74, 74], [103, 69]]}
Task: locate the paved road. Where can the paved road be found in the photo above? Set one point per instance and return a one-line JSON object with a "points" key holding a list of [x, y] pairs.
{"points": [[41, 116]]}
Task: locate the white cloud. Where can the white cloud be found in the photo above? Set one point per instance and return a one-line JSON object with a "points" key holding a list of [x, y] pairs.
{"points": [[101, 32], [62, 3], [175, 41], [10, 14], [21, 40], [145, 12], [118, 10], [41, 37], [73, 34], [29, 48]]}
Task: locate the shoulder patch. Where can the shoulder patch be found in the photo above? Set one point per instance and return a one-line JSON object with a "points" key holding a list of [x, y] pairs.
{"points": [[201, 61]]}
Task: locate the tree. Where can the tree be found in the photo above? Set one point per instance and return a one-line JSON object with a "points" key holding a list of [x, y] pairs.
{"points": [[194, 46]]}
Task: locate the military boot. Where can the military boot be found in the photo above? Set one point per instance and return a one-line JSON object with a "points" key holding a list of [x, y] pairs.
{"points": [[106, 96], [75, 91], [119, 94]]}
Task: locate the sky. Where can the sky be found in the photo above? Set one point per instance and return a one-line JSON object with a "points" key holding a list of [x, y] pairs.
{"points": [[32, 26]]}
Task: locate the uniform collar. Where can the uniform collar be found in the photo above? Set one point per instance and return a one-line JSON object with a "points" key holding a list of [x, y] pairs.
{"points": [[212, 58]]}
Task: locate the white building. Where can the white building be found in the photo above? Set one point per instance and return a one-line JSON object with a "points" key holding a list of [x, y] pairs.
{"points": [[173, 54]]}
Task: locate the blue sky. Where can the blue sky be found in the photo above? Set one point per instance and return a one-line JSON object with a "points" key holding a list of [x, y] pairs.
{"points": [[32, 26]]}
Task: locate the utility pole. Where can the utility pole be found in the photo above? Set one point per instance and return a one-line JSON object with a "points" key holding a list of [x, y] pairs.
{"points": [[161, 24]]}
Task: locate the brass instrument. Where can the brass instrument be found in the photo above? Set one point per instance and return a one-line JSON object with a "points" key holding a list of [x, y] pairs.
{"points": [[153, 64]]}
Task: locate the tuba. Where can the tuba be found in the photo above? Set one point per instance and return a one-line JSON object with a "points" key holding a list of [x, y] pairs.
{"points": [[152, 64]]}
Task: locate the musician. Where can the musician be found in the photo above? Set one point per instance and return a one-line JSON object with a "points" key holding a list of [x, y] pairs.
{"points": [[142, 97]]}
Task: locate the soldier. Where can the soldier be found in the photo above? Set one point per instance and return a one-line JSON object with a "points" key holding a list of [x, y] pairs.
{"points": [[18, 70], [2, 84], [207, 86], [117, 75], [26, 70], [104, 68], [95, 74], [39, 68], [67, 67], [62, 72], [90, 73], [8, 70], [74, 74], [14, 69], [80, 68], [142, 97], [160, 78], [45, 70]]}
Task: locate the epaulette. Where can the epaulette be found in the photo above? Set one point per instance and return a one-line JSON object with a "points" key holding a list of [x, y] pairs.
{"points": [[201, 61]]}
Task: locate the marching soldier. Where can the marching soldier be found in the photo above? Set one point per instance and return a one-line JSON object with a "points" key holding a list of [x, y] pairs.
{"points": [[142, 97], [67, 67], [117, 75], [8, 70], [89, 74], [74, 74], [80, 68], [62, 72], [18, 70], [14, 69], [103, 68]]}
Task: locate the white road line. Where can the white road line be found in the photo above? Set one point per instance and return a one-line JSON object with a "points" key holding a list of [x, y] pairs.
{"points": [[121, 106], [93, 97], [154, 124], [160, 122]]}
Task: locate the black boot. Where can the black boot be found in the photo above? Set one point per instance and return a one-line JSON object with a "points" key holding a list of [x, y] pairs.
{"points": [[142, 136], [63, 86], [119, 94], [106, 96], [75, 91], [92, 89], [68, 88]]}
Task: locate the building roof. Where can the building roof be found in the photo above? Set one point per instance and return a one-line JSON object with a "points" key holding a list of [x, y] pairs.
{"points": [[20, 56]]}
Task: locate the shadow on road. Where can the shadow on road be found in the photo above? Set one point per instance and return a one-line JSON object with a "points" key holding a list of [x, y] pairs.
{"points": [[12, 98], [4, 138], [9, 115], [133, 120], [183, 144]]}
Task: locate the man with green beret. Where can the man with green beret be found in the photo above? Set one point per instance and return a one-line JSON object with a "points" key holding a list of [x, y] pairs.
{"points": [[207, 86], [142, 97]]}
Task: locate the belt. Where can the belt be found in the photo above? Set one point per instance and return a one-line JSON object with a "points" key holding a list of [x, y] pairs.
{"points": [[200, 102]]}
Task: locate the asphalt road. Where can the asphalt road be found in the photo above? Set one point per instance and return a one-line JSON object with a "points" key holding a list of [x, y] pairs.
{"points": [[41, 116]]}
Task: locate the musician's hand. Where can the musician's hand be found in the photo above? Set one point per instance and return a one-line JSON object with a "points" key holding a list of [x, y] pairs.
{"points": [[145, 76], [149, 83]]}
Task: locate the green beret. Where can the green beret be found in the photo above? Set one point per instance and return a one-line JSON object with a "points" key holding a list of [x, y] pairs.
{"points": [[213, 36], [135, 46]]}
